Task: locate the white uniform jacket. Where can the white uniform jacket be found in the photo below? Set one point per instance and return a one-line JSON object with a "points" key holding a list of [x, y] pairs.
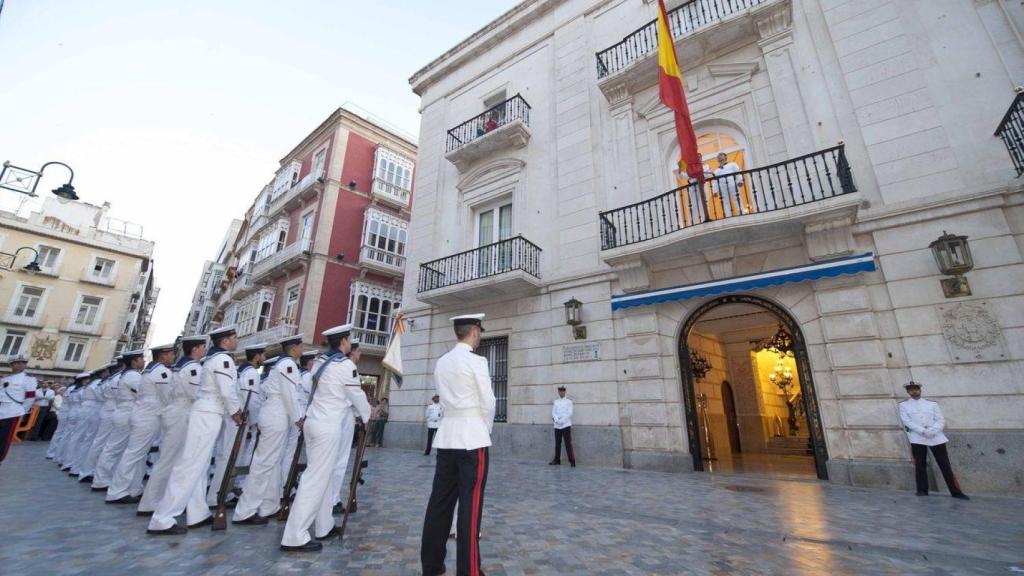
{"points": [[154, 389], [923, 421], [218, 392], [186, 376], [464, 384], [561, 413], [17, 393], [280, 390], [128, 389], [249, 387], [44, 397], [337, 390], [305, 389], [435, 412]]}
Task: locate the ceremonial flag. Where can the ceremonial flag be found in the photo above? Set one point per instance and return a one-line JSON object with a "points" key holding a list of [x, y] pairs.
{"points": [[393, 359], [670, 90]]}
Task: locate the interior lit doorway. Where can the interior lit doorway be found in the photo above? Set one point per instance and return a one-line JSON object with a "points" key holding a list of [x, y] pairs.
{"points": [[748, 391]]}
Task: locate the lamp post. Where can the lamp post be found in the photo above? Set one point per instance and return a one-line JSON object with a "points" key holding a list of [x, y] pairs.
{"points": [[953, 257], [7, 260], [25, 181]]}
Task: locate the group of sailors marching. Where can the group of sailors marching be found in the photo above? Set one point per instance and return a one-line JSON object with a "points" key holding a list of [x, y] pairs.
{"points": [[193, 408]]}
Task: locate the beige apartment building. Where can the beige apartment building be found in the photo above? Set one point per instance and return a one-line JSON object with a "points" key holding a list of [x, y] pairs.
{"points": [[92, 297]]}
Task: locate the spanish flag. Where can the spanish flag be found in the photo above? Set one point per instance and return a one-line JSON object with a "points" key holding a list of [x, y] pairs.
{"points": [[670, 90]]}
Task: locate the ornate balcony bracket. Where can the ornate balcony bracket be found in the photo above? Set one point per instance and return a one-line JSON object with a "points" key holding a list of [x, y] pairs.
{"points": [[633, 275], [830, 238]]}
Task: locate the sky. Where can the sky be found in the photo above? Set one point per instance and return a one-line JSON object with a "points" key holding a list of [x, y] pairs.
{"points": [[177, 113]]}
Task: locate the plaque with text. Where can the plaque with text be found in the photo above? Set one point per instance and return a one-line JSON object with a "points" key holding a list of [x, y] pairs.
{"points": [[581, 352]]}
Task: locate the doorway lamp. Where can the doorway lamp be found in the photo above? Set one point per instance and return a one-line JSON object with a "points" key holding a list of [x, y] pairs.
{"points": [[574, 318], [953, 256], [25, 181], [7, 260]]}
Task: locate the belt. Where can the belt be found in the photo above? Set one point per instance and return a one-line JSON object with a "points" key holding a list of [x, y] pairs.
{"points": [[464, 412]]}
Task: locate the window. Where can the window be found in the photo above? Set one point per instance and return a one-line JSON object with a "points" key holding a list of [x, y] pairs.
{"points": [[371, 307], [393, 169], [386, 237], [291, 304], [730, 195], [74, 351], [307, 231], [48, 257], [28, 302], [496, 352], [12, 343], [88, 310], [318, 163], [103, 268], [494, 225]]}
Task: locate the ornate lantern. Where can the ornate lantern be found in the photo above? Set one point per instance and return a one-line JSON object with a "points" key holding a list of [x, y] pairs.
{"points": [[574, 318], [953, 257]]}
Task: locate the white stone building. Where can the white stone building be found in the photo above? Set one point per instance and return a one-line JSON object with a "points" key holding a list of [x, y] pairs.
{"points": [[210, 286], [863, 130]]}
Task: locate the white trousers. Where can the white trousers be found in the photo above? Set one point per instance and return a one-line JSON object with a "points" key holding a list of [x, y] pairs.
{"points": [[339, 483], [173, 427], [315, 498], [69, 439], [262, 492], [189, 473], [92, 435], [221, 454], [131, 469], [289, 452], [117, 441]]}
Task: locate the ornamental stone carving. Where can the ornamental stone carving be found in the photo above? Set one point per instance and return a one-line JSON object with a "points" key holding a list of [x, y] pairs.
{"points": [[972, 332]]}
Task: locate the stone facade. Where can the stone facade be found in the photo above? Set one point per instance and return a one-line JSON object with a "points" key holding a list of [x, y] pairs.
{"points": [[912, 89]]}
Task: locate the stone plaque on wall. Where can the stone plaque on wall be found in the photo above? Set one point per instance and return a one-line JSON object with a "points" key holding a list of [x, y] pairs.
{"points": [[972, 332], [581, 352]]}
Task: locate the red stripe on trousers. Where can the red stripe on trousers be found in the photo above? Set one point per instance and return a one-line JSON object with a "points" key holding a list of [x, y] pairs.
{"points": [[474, 524]]}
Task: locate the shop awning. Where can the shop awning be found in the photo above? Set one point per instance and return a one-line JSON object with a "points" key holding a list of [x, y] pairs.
{"points": [[824, 269]]}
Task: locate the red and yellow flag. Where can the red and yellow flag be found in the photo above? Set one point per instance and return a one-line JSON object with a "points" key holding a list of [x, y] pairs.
{"points": [[670, 90]]}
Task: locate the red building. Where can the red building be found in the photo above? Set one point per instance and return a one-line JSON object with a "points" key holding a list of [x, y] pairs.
{"points": [[324, 243]]}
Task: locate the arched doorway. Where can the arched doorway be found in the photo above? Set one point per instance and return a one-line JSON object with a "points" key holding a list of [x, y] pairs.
{"points": [[735, 340]]}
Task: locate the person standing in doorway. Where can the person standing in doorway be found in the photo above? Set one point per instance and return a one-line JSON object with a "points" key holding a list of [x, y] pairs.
{"points": [[379, 422], [561, 415], [435, 412], [924, 423]]}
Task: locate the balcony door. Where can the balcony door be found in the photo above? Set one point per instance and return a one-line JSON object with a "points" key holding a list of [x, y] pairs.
{"points": [[493, 225]]}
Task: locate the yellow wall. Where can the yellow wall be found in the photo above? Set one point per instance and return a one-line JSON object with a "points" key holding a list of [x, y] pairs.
{"points": [[773, 403]]}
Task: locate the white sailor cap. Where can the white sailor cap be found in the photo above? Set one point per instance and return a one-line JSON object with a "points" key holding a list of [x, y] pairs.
{"points": [[222, 331], [82, 375], [342, 330], [17, 358], [271, 361], [258, 347], [309, 354], [355, 344], [470, 319], [200, 338], [162, 348], [290, 341], [912, 384], [132, 354]]}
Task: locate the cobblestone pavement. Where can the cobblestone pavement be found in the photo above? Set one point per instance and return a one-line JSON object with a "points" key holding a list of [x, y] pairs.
{"points": [[537, 520]]}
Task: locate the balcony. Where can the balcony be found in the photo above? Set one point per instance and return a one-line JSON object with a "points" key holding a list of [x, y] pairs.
{"points": [[501, 127], [495, 271], [1011, 130], [301, 191], [735, 208], [390, 194], [95, 329], [382, 261], [371, 342], [268, 335], [634, 62], [280, 263]]}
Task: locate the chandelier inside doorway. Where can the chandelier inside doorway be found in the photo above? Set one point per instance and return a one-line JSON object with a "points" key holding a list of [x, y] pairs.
{"points": [[781, 375]]}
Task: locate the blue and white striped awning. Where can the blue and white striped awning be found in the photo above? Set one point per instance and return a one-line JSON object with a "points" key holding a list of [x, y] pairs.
{"points": [[825, 269]]}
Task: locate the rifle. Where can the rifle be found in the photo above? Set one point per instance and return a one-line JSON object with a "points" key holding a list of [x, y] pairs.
{"points": [[357, 468], [220, 520]]}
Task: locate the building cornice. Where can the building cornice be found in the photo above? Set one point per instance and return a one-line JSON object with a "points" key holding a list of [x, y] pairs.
{"points": [[353, 122], [35, 229]]}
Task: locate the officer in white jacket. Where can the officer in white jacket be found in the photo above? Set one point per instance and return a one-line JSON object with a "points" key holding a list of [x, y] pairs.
{"points": [[17, 393], [337, 397], [561, 416], [923, 421], [464, 384], [278, 415], [144, 424], [434, 414], [186, 375], [217, 397], [127, 390]]}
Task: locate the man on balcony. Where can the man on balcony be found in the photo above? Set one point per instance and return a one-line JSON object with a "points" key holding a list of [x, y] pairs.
{"points": [[729, 187]]}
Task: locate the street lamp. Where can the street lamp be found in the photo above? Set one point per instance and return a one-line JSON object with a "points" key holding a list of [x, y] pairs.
{"points": [[574, 318], [953, 257], [25, 181], [7, 260]]}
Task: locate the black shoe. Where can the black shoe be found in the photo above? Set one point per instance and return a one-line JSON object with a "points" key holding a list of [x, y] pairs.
{"points": [[572, 464], [204, 522], [173, 530], [311, 546], [555, 463], [72, 474], [85, 479], [339, 508], [143, 513], [330, 534], [99, 488], [961, 496], [254, 520], [126, 500], [271, 516], [922, 494]]}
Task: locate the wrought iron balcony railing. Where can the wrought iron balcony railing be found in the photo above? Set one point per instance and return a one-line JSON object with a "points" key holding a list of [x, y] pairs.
{"points": [[811, 178], [505, 256], [684, 19], [515, 108], [1011, 130]]}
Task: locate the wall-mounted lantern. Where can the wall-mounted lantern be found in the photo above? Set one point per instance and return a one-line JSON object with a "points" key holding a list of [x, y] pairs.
{"points": [[953, 256], [574, 318], [7, 261]]}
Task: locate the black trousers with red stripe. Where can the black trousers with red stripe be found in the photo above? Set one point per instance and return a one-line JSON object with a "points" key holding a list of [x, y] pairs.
{"points": [[460, 478], [7, 428], [920, 452], [564, 435]]}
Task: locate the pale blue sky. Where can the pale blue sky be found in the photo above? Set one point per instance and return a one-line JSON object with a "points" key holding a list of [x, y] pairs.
{"points": [[177, 112]]}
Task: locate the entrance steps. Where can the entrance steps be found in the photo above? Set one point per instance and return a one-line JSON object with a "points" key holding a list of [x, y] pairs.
{"points": [[789, 445]]}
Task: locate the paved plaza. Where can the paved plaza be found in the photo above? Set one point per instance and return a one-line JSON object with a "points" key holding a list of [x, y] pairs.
{"points": [[537, 520]]}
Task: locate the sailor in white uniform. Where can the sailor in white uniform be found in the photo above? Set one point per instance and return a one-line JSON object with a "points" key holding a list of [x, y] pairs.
{"points": [[464, 383], [127, 390], [17, 393], [153, 394], [338, 482], [561, 416], [434, 414], [64, 410], [96, 411], [73, 413], [249, 387], [924, 423], [302, 400], [217, 397], [337, 396], [186, 375], [279, 414]]}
